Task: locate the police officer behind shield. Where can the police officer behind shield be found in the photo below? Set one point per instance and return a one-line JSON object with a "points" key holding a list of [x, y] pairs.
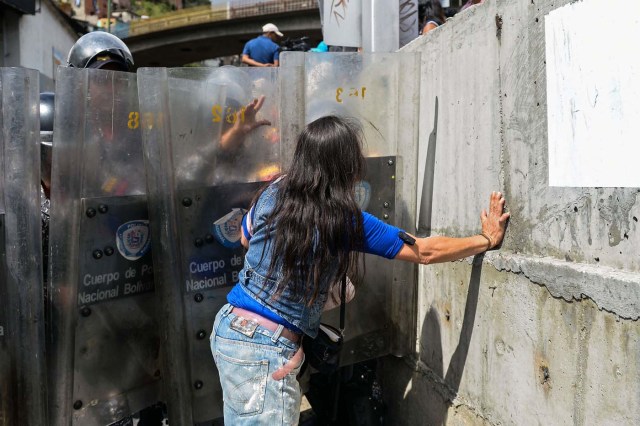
{"points": [[104, 51], [97, 50]]}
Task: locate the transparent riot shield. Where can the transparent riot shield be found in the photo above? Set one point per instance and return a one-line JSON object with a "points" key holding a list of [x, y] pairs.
{"points": [[22, 338], [204, 164], [105, 341], [380, 90]]}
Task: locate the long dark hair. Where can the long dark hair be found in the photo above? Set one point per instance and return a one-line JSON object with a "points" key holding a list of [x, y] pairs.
{"points": [[316, 217], [432, 10]]}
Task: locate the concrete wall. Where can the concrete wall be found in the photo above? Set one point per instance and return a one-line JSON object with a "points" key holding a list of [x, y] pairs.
{"points": [[37, 41], [545, 330]]}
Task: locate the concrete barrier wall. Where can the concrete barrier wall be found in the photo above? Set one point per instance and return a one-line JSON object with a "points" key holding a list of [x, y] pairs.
{"points": [[545, 330]]}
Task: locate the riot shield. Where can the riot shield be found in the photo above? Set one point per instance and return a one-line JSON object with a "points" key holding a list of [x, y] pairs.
{"points": [[105, 341], [22, 343], [381, 91], [200, 179]]}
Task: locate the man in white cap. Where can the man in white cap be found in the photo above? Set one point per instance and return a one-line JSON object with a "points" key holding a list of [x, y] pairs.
{"points": [[263, 51]]}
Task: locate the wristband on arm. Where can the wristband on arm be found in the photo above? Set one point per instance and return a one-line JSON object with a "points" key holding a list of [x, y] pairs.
{"points": [[488, 240], [406, 238]]}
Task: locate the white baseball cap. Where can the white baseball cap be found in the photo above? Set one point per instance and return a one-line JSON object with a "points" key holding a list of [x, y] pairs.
{"points": [[271, 28]]}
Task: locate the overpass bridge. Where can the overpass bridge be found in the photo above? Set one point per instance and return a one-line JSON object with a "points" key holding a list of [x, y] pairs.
{"points": [[206, 32]]}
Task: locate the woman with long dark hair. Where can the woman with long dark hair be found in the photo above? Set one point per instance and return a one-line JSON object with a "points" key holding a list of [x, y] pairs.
{"points": [[306, 232]]}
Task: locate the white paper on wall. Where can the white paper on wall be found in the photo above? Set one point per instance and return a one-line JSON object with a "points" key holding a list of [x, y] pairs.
{"points": [[593, 94]]}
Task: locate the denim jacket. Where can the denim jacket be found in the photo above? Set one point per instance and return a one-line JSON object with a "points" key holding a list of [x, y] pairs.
{"points": [[263, 288]]}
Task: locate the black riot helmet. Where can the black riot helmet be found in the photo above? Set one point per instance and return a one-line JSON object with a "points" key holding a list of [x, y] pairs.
{"points": [[99, 49], [47, 100]]}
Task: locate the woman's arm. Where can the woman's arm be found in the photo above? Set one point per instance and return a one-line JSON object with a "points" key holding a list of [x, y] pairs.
{"points": [[444, 249]]}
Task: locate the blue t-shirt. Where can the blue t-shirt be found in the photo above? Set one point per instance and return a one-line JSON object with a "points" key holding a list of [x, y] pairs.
{"points": [[380, 239], [262, 49]]}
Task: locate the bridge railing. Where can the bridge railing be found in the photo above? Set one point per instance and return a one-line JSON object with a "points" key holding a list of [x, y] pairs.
{"points": [[217, 12]]}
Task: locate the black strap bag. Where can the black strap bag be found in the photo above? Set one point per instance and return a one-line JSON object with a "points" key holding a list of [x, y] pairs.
{"points": [[323, 352]]}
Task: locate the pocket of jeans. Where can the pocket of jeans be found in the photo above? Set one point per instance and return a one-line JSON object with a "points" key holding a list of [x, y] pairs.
{"points": [[244, 383]]}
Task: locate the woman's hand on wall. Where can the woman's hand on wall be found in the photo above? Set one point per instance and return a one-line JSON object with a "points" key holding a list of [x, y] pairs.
{"points": [[494, 223]]}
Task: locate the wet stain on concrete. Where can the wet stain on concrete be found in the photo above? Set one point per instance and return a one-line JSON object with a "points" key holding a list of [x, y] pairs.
{"points": [[543, 373], [546, 377]]}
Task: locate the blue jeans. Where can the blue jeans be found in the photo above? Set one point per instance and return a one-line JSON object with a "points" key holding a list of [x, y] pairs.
{"points": [[246, 359]]}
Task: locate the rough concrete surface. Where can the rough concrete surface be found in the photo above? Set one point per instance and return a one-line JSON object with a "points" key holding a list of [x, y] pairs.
{"points": [[495, 348], [545, 330]]}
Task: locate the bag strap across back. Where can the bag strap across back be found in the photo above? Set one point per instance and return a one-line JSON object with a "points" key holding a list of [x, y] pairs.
{"points": [[343, 303]]}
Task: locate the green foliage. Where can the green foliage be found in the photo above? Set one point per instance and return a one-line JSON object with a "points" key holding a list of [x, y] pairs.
{"points": [[195, 3], [151, 7]]}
